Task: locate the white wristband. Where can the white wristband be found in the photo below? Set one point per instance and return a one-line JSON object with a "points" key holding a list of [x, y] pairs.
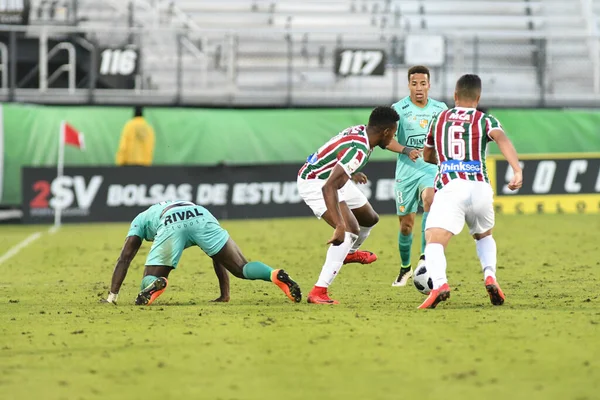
{"points": [[112, 297]]}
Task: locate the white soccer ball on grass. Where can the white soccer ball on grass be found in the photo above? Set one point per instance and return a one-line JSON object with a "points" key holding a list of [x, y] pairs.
{"points": [[422, 280]]}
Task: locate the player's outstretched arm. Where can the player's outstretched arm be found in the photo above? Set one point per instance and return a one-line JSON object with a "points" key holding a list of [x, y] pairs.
{"points": [[429, 155], [130, 249], [396, 147], [336, 181], [508, 151], [223, 277]]}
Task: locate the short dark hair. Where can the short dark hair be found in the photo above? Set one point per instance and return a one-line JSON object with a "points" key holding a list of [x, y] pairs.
{"points": [[139, 111], [383, 117], [468, 87], [419, 69]]}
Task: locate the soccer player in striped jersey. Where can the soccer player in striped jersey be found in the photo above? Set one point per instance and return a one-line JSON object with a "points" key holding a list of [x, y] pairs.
{"points": [[414, 178], [457, 143], [326, 183]]}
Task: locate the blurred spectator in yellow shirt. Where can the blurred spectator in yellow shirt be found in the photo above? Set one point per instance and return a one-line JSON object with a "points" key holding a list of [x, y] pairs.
{"points": [[137, 142]]}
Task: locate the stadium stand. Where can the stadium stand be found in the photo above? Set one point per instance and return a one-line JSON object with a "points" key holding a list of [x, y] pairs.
{"points": [[262, 58], [252, 47]]}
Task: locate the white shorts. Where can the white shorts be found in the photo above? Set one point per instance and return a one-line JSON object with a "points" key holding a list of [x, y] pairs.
{"points": [[310, 191], [463, 201]]}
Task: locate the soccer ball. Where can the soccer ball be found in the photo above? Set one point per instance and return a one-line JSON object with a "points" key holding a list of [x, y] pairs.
{"points": [[422, 280]]}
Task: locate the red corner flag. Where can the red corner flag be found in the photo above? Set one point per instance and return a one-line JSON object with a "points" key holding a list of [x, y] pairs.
{"points": [[72, 136]]}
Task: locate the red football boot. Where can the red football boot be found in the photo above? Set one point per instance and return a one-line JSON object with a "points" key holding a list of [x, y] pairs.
{"points": [[318, 295], [361, 257], [435, 296]]}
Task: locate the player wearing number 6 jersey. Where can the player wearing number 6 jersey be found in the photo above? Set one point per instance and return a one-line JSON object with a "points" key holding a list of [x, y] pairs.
{"points": [[457, 143]]}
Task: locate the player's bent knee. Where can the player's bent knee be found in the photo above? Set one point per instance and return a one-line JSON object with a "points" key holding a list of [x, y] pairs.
{"points": [[479, 236], [406, 227], [237, 272], [438, 235], [371, 221], [375, 219]]}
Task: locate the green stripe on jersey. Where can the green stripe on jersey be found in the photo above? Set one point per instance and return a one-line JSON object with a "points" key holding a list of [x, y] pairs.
{"points": [[350, 154], [354, 146]]}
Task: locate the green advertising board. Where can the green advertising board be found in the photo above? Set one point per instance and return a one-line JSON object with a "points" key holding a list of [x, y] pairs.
{"points": [[187, 136]]}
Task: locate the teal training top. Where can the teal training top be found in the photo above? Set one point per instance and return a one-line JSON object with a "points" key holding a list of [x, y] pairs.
{"points": [[412, 131]]}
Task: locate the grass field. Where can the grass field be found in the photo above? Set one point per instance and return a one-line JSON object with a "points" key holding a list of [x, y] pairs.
{"points": [[58, 342]]}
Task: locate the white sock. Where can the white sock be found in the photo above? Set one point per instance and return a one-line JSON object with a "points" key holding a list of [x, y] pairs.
{"points": [[363, 234], [486, 251], [335, 260], [436, 264]]}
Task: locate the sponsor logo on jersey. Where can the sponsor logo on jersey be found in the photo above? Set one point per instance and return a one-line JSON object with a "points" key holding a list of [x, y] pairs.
{"points": [[179, 216], [353, 165], [459, 117], [470, 167], [416, 141]]}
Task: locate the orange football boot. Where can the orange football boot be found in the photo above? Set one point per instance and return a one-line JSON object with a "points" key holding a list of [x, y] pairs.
{"points": [[287, 285], [151, 292]]}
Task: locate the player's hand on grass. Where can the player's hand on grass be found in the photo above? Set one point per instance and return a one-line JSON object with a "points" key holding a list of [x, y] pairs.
{"points": [[221, 299], [359, 177], [338, 236], [517, 181]]}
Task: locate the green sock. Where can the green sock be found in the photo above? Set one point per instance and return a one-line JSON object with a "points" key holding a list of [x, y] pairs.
{"points": [[423, 222], [256, 270], [404, 245], [147, 280]]}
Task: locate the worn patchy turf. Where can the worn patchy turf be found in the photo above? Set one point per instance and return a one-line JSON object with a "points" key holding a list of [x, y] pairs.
{"points": [[58, 342]]}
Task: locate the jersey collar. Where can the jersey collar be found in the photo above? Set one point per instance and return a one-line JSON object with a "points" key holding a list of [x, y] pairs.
{"points": [[465, 108], [416, 106]]}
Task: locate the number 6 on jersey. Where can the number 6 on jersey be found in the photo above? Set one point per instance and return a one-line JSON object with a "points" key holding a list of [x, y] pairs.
{"points": [[457, 143]]}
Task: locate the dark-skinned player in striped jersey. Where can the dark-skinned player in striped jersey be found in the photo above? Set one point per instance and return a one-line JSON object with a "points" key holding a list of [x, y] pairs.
{"points": [[327, 184]]}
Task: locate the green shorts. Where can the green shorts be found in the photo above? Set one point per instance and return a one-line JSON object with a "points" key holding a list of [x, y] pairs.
{"points": [[182, 227], [408, 191]]}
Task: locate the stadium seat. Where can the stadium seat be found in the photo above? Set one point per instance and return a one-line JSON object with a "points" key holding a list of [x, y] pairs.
{"points": [[261, 49]]}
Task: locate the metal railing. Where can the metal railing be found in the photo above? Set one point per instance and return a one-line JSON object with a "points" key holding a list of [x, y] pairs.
{"points": [[289, 67]]}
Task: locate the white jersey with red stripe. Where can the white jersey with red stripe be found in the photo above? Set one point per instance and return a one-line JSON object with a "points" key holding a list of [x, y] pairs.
{"points": [[460, 137], [349, 149]]}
